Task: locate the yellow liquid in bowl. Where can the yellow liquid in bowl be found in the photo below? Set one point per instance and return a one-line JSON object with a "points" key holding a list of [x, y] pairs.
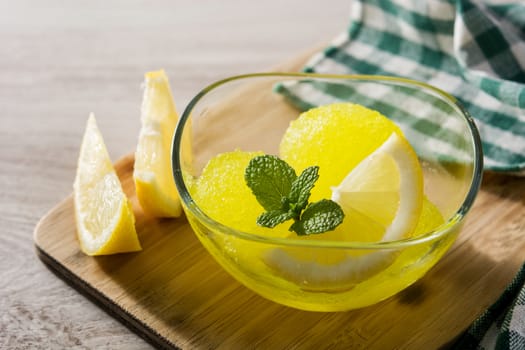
{"points": [[324, 279], [319, 274], [248, 262]]}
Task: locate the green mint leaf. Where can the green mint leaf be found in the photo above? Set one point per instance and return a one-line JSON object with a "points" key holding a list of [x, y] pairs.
{"points": [[322, 216], [301, 187], [273, 218], [284, 196], [270, 180], [298, 228]]}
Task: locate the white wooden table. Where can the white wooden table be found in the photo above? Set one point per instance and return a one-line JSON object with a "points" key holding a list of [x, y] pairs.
{"points": [[60, 60]]}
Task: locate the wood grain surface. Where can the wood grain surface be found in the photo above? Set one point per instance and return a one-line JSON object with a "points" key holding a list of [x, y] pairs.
{"points": [[176, 296], [61, 60]]}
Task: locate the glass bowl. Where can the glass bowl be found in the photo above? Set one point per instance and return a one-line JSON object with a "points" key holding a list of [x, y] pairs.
{"points": [[251, 113]]}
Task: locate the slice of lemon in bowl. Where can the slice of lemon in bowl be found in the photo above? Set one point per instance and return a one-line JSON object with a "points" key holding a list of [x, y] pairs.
{"points": [[386, 187], [152, 175], [103, 214], [382, 198]]}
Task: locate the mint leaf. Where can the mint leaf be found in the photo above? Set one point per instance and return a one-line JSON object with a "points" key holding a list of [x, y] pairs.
{"points": [[273, 218], [284, 196], [301, 187], [270, 180], [322, 216]]}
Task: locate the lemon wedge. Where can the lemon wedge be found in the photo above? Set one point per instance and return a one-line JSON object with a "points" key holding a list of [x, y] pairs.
{"points": [[103, 214], [387, 187], [152, 173], [382, 197]]}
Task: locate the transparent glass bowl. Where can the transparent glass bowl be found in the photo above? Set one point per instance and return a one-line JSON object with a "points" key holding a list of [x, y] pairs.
{"points": [[252, 112]]}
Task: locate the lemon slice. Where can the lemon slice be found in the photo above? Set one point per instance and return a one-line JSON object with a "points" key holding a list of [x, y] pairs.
{"points": [[152, 173], [103, 214], [386, 187], [382, 197]]}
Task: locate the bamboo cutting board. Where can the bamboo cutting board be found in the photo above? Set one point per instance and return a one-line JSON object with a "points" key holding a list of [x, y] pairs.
{"points": [[176, 296]]}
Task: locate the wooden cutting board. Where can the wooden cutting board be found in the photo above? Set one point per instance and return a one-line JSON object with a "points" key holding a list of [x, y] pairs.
{"points": [[175, 295]]}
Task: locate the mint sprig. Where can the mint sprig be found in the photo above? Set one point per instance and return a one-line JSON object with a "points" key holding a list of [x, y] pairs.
{"points": [[284, 196]]}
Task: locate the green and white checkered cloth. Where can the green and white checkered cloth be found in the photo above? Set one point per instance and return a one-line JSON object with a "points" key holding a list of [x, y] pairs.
{"points": [[473, 50], [502, 326]]}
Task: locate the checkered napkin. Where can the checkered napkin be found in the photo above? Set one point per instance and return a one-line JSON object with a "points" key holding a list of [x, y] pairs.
{"points": [[502, 326], [473, 50]]}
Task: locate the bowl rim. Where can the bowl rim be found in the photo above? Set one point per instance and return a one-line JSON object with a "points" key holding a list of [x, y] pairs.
{"points": [[443, 229]]}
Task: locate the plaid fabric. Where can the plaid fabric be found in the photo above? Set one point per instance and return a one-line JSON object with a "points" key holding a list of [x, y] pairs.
{"points": [[475, 51], [502, 326]]}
